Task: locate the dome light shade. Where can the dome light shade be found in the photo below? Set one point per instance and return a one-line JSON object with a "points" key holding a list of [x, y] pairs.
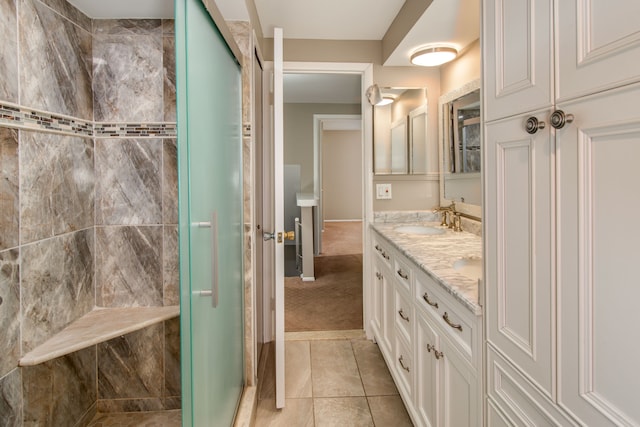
{"points": [[386, 100], [433, 56]]}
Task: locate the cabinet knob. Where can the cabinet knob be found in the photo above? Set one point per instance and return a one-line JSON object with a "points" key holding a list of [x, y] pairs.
{"points": [[402, 315], [533, 125], [559, 119]]}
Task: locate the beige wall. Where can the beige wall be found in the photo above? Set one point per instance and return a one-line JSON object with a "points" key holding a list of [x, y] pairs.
{"points": [[342, 175], [464, 69], [413, 191], [298, 135]]}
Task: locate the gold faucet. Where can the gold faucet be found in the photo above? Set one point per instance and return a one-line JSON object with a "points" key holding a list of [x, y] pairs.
{"points": [[451, 210]]}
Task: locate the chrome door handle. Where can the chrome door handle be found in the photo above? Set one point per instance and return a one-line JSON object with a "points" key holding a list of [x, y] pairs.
{"points": [[533, 125], [213, 292]]}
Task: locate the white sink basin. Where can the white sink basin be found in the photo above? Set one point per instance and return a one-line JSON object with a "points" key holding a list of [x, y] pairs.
{"points": [[469, 267], [419, 229]]}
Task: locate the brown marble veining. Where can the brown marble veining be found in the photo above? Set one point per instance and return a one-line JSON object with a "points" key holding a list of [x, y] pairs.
{"points": [[129, 266], [125, 27], [55, 62], [128, 73], [9, 310], [169, 77], [56, 184], [170, 266], [169, 182], [168, 27], [131, 366], [151, 404], [8, 51], [11, 399], [128, 181], [57, 285], [61, 391], [66, 9], [172, 386], [9, 181]]}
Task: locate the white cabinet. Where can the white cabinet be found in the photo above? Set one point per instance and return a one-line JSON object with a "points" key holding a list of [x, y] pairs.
{"points": [[383, 313], [518, 57], [430, 341], [598, 258], [446, 385], [521, 285], [561, 291]]}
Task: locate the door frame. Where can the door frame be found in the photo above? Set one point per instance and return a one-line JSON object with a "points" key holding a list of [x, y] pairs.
{"points": [[318, 120], [365, 70]]}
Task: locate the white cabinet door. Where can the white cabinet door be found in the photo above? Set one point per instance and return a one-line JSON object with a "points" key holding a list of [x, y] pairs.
{"points": [[597, 46], [519, 200], [598, 258], [518, 51], [377, 294], [427, 373], [459, 399]]}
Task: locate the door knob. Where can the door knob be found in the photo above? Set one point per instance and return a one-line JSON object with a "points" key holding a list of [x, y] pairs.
{"points": [[533, 125], [289, 235], [268, 236], [559, 119]]}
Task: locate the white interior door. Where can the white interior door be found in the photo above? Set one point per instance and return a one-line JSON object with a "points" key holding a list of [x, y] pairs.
{"points": [[278, 150]]}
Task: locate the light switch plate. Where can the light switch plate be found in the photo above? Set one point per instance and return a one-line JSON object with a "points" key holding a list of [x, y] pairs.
{"points": [[383, 191]]}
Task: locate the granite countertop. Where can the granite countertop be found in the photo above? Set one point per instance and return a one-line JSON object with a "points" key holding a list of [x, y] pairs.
{"points": [[435, 254]]}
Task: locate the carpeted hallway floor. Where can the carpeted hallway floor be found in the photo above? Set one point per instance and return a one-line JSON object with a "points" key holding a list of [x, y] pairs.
{"points": [[334, 300]]}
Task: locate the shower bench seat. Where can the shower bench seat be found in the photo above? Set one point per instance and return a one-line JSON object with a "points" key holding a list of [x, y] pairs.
{"points": [[98, 325]]}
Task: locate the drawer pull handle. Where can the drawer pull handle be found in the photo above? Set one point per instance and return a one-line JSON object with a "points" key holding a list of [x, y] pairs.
{"points": [[385, 256], [378, 275], [378, 248], [445, 316], [428, 301], [436, 353], [404, 316], [401, 360], [403, 274]]}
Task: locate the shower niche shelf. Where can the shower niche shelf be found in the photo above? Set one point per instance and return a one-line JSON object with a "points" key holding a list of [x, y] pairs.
{"points": [[99, 325]]}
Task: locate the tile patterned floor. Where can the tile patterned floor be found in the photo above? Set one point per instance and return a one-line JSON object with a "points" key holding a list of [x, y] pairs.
{"points": [[335, 382]]}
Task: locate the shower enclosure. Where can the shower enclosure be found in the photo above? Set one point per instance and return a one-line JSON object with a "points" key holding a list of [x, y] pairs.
{"points": [[209, 100]]}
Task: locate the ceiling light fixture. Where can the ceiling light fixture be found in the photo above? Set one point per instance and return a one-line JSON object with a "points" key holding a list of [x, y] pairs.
{"points": [[433, 56]]}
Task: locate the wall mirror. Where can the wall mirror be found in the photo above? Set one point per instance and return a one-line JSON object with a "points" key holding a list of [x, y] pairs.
{"points": [[400, 132], [460, 136]]}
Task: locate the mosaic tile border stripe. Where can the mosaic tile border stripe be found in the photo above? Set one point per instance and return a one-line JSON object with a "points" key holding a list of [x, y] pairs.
{"points": [[137, 130], [15, 116]]}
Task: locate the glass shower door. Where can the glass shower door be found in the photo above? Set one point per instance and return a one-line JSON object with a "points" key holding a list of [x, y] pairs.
{"points": [[209, 88]]}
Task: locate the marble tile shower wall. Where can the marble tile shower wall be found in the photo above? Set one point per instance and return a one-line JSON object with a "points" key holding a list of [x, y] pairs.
{"points": [[88, 214]]}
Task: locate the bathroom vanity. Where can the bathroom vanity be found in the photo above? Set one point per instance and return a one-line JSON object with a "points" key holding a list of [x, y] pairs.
{"points": [[427, 319]]}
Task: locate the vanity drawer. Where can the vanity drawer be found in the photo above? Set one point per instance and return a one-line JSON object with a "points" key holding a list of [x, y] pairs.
{"points": [[402, 272], [455, 319], [404, 315], [382, 250]]}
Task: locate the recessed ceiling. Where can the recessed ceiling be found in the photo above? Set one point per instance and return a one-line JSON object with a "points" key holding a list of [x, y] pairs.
{"points": [[328, 19], [320, 88]]}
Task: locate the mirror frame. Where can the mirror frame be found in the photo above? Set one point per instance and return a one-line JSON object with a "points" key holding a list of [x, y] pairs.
{"points": [[475, 210]]}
